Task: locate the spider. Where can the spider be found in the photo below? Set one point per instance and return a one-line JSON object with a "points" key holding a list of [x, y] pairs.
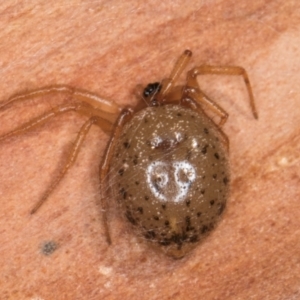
{"points": [[169, 160]]}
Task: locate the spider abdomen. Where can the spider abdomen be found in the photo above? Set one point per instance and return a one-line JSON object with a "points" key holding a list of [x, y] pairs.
{"points": [[170, 176]]}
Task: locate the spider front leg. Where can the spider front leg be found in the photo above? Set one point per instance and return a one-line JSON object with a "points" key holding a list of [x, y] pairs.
{"points": [[81, 108], [168, 83], [216, 70], [108, 108]]}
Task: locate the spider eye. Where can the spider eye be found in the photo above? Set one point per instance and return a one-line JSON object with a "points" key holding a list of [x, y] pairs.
{"points": [[151, 89]]}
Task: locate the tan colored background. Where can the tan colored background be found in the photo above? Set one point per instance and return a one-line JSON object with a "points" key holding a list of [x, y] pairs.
{"points": [[108, 47]]}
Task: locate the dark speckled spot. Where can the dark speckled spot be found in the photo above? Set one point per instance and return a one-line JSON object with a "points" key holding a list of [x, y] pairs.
{"points": [[123, 192], [188, 224], [140, 210], [156, 218], [217, 156], [204, 149], [205, 130], [121, 172], [221, 207], [193, 239], [47, 248], [204, 229], [150, 235], [214, 176], [165, 242], [225, 180], [212, 202], [207, 228], [126, 145], [176, 238], [130, 218], [163, 206]]}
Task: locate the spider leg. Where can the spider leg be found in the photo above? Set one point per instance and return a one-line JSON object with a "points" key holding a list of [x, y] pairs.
{"points": [[200, 97], [81, 108], [72, 156], [101, 112], [104, 167], [194, 103], [109, 107], [168, 83], [219, 70]]}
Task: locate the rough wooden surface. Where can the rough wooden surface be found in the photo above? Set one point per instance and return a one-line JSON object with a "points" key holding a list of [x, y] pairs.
{"points": [[109, 47]]}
